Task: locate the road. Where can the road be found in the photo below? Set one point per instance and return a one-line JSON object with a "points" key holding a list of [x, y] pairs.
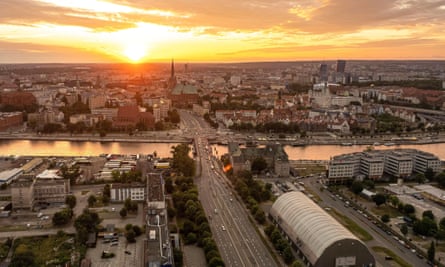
{"points": [[235, 236], [380, 237]]}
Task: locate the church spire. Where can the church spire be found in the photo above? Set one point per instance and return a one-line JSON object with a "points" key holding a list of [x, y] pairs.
{"points": [[173, 69]]}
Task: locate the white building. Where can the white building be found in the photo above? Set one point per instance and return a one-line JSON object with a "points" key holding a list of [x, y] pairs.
{"points": [[121, 192], [424, 161], [343, 168], [399, 163], [6, 177], [372, 165]]}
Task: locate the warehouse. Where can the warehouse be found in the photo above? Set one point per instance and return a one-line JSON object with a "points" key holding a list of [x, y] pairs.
{"points": [[320, 240]]}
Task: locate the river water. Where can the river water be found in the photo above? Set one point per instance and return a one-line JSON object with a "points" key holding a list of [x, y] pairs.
{"points": [[83, 148]]}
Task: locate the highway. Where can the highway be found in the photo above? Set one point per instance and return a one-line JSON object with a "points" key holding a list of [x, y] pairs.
{"points": [[235, 236]]}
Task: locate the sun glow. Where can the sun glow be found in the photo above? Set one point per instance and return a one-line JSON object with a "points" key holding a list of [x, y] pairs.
{"points": [[135, 52]]}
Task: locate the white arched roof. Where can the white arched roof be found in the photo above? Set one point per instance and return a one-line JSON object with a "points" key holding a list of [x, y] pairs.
{"points": [[301, 218]]}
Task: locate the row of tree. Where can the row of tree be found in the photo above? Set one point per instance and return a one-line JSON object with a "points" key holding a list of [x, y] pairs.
{"points": [[195, 228]]}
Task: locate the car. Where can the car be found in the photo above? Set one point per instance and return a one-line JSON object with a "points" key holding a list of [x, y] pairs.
{"points": [[114, 244], [127, 252], [223, 228], [388, 258]]}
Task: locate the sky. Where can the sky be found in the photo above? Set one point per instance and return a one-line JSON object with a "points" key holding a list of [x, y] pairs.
{"points": [[68, 31]]}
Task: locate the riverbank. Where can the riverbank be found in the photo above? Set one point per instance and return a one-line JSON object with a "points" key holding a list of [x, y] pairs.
{"points": [[122, 138]]}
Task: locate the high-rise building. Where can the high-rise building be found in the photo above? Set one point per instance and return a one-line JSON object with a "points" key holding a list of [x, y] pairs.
{"points": [[323, 72], [341, 66]]}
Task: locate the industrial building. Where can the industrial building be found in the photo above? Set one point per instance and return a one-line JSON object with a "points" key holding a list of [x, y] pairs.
{"points": [[319, 239]]}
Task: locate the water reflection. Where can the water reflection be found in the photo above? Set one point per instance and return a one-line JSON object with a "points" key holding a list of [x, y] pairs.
{"points": [[67, 148], [325, 152]]}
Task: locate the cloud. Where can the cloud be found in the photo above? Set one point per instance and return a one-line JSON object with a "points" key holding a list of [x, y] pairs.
{"points": [[233, 27]]}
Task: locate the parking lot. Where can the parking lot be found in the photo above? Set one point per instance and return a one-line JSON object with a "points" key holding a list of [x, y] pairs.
{"points": [[125, 254]]}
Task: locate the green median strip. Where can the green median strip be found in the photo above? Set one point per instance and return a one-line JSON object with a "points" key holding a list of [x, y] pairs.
{"points": [[352, 226], [388, 252]]}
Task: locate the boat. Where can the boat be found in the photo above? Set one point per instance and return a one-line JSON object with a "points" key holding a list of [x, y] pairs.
{"points": [[389, 144], [298, 144], [346, 144], [376, 144]]}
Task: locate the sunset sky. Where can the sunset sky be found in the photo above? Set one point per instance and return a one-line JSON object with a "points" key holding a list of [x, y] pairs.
{"points": [[219, 30]]}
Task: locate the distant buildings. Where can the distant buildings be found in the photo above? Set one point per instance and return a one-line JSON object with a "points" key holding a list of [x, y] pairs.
{"points": [[10, 119], [320, 240], [129, 116], [373, 164]]}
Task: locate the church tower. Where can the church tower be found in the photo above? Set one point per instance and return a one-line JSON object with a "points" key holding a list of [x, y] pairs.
{"points": [[172, 81]]}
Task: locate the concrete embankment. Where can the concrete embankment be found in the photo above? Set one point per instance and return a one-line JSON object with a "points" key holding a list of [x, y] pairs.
{"points": [[129, 139]]}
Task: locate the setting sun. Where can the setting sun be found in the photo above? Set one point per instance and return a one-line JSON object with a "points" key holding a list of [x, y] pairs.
{"points": [[135, 52]]}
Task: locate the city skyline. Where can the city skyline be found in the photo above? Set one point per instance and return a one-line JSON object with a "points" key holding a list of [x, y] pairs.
{"points": [[44, 31]]}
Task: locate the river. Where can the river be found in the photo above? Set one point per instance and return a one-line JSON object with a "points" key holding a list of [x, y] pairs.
{"points": [[85, 148], [81, 148], [325, 152]]}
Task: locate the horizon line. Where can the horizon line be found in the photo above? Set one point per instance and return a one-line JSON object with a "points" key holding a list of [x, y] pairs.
{"points": [[164, 61]]}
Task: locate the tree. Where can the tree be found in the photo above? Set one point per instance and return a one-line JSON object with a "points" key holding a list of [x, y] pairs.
{"points": [[182, 161], [260, 217], [431, 252], [92, 200], [394, 200], [429, 214], [385, 218], [178, 257], [357, 187], [442, 223], [62, 217], [429, 174], [379, 199], [107, 190], [86, 223], [137, 230], [23, 256], [70, 200], [287, 255], [258, 165], [404, 229], [216, 262], [123, 212], [409, 209], [191, 238], [131, 236], [420, 178], [296, 264], [440, 178]]}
